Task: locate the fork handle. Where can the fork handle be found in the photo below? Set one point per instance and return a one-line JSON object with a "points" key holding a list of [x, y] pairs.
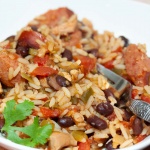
{"points": [[141, 109]]}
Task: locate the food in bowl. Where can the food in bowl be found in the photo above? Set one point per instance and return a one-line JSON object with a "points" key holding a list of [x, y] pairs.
{"points": [[52, 96]]}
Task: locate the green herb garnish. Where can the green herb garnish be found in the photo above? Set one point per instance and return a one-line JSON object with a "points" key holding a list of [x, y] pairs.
{"points": [[35, 134]]}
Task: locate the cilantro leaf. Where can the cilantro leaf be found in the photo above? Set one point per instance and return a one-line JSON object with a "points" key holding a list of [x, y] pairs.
{"points": [[35, 133], [12, 135], [13, 112]]}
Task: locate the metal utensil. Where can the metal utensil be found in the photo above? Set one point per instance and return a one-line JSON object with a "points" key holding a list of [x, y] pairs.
{"points": [[124, 88]]}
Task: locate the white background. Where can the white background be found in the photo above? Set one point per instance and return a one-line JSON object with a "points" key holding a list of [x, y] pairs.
{"points": [[123, 17]]}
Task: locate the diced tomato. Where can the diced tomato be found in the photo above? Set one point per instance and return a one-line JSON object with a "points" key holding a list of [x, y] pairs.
{"points": [[134, 93], [41, 61], [140, 138], [109, 64], [119, 49], [84, 146], [79, 45], [34, 113], [145, 97], [28, 39], [126, 124], [87, 63], [52, 113], [44, 71]]}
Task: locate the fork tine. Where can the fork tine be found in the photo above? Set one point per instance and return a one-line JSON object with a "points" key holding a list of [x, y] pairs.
{"points": [[107, 73], [118, 82]]}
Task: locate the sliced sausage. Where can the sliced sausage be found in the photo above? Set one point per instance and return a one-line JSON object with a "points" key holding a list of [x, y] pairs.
{"points": [[28, 39], [137, 65], [67, 54], [8, 60], [74, 38], [66, 27], [53, 18]]}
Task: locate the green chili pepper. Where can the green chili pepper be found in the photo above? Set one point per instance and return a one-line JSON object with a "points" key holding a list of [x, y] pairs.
{"points": [[48, 121], [79, 136], [86, 95], [27, 77], [46, 104], [74, 100]]}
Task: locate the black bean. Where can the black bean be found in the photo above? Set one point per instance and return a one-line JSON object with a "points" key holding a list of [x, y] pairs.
{"points": [[127, 115], [2, 95], [97, 123], [2, 121], [126, 41], [137, 126], [66, 121], [51, 81], [108, 145], [34, 28], [147, 123], [93, 51], [11, 38], [124, 98], [62, 36], [67, 54], [108, 93], [62, 81], [105, 109], [90, 134], [23, 51]]}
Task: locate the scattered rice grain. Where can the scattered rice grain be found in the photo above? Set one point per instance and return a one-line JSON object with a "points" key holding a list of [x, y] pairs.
{"points": [[126, 143], [38, 102], [16, 71], [52, 102], [79, 89], [10, 73], [23, 61], [34, 86], [66, 91]]}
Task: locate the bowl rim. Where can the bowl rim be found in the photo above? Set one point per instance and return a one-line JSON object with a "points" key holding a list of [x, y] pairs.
{"points": [[9, 144], [144, 143]]}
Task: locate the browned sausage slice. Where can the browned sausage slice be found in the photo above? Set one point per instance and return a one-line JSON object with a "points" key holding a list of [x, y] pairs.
{"points": [[75, 38], [28, 39], [55, 17], [137, 65], [8, 60]]}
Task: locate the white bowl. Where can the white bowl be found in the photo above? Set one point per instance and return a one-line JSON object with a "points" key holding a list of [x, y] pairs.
{"points": [[123, 17]]}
